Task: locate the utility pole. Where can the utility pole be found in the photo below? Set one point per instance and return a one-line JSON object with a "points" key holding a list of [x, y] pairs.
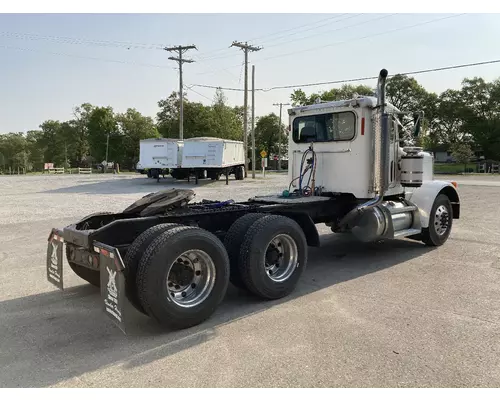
{"points": [[107, 146], [180, 50], [246, 48], [279, 133], [253, 121]]}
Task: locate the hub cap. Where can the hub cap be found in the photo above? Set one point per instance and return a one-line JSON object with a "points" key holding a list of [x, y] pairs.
{"points": [[441, 220], [281, 257], [190, 278]]}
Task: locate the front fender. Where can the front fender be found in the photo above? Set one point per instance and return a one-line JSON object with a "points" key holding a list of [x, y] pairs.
{"points": [[424, 196]]}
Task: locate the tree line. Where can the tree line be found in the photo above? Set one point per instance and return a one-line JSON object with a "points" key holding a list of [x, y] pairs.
{"points": [[83, 140], [467, 116]]}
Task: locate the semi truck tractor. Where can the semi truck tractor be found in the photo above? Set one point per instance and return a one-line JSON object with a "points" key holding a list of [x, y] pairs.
{"points": [[351, 167]]}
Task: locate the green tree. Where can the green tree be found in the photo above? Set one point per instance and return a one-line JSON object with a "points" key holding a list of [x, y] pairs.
{"points": [[101, 124], [133, 128], [482, 114], [345, 92], [227, 123], [267, 131], [462, 153]]}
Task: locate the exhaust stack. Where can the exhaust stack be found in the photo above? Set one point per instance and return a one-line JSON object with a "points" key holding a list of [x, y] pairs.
{"points": [[381, 153]]}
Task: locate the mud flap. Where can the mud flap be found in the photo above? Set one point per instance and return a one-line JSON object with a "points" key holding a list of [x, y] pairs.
{"points": [[54, 262], [112, 283]]}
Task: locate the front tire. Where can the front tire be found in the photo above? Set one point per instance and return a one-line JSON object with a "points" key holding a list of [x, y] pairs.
{"points": [[183, 277], [273, 256], [440, 222]]}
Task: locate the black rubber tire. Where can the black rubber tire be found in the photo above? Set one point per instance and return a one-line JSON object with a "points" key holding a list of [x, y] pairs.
{"points": [[203, 174], [133, 258], [239, 173], [253, 250], [429, 235], [89, 275], [232, 242], [152, 275]]}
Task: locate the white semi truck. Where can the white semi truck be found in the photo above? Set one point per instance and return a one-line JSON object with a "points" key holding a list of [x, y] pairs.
{"points": [[173, 259]]}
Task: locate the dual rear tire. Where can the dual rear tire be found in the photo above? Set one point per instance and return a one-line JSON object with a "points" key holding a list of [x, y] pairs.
{"points": [[267, 253], [181, 277]]}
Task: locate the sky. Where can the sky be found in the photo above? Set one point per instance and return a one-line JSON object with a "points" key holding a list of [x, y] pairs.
{"points": [[43, 79]]}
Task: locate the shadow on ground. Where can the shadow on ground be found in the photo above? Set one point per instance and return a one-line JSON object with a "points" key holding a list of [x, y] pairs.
{"points": [[68, 334], [127, 185]]}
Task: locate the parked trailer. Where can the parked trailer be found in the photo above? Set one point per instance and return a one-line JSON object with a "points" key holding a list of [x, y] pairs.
{"points": [[157, 156], [208, 157], [172, 259]]}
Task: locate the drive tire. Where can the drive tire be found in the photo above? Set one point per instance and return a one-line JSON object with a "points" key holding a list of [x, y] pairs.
{"points": [[233, 241], [430, 235], [133, 258], [253, 255], [154, 269]]}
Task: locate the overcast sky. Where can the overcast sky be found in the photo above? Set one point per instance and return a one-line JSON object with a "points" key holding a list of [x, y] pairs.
{"points": [[36, 84]]}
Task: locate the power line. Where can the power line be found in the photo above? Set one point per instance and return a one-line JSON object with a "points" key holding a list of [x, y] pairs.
{"points": [[312, 28], [220, 57], [360, 38], [83, 57], [198, 93], [336, 30], [339, 43], [418, 72], [296, 27], [70, 40], [225, 49]]}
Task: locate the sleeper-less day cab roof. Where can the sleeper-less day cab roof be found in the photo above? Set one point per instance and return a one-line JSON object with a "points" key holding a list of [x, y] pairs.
{"points": [[361, 101]]}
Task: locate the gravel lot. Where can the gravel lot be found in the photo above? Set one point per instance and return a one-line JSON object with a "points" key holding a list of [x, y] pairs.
{"points": [[390, 314]]}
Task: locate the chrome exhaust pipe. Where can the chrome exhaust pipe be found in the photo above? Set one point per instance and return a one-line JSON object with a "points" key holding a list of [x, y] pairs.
{"points": [[381, 153]]}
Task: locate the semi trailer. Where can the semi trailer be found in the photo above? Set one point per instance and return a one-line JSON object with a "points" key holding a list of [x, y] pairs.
{"points": [[157, 156], [210, 157], [172, 258]]}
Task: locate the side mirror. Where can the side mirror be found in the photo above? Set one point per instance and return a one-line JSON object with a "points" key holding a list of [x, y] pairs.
{"points": [[417, 123]]}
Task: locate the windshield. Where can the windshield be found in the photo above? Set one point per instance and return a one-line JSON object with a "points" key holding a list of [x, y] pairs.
{"points": [[324, 127]]}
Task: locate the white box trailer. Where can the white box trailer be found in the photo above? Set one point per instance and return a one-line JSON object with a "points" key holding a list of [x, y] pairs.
{"points": [[159, 155], [208, 157]]}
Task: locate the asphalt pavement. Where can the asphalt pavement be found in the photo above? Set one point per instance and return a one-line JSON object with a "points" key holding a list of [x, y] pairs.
{"points": [[391, 314]]}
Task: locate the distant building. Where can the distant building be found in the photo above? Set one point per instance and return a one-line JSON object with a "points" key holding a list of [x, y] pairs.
{"points": [[442, 154]]}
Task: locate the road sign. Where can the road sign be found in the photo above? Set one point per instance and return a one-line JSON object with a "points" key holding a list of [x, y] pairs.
{"points": [[263, 153], [275, 158]]}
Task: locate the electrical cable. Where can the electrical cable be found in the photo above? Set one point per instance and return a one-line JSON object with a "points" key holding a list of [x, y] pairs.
{"points": [[418, 72]]}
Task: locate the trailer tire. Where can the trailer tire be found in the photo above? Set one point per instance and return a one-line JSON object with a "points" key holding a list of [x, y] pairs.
{"points": [[91, 276], [183, 306], [269, 239], [233, 241], [133, 258], [440, 222], [239, 173]]}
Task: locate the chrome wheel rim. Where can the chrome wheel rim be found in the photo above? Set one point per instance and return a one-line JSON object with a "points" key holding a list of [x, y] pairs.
{"points": [[191, 278], [441, 220], [281, 258]]}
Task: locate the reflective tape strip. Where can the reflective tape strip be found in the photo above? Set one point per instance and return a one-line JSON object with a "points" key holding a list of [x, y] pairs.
{"points": [[59, 238]]}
